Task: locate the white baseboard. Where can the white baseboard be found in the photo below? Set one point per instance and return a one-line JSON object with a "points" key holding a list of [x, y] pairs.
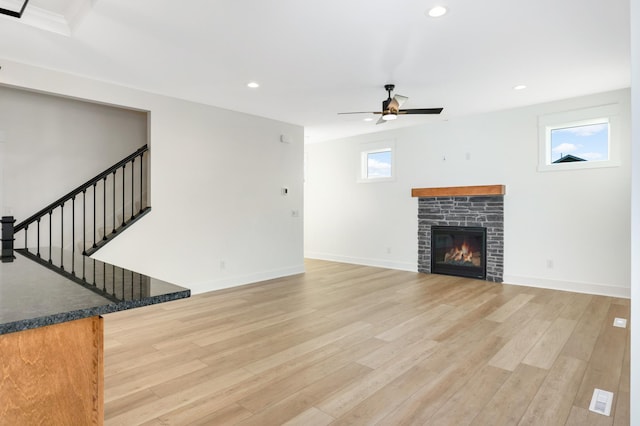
{"points": [[228, 282], [576, 287], [380, 263]]}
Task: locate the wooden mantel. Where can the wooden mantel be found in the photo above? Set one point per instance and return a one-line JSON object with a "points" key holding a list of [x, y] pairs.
{"points": [[454, 191]]}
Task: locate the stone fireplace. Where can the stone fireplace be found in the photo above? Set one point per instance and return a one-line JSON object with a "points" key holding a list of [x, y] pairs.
{"points": [[480, 208]]}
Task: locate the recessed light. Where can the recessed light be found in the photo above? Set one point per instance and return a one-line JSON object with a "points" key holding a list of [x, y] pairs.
{"points": [[437, 11], [519, 87], [368, 119], [253, 85]]}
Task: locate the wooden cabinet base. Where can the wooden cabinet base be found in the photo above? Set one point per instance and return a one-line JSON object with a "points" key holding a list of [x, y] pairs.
{"points": [[53, 374]]}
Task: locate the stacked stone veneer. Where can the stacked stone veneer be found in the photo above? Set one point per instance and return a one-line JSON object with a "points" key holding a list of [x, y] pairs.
{"points": [[482, 211]]}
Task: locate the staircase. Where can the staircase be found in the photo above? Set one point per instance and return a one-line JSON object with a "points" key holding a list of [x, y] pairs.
{"points": [[62, 235]]}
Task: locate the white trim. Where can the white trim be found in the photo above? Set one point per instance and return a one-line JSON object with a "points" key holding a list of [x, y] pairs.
{"points": [[634, 391], [379, 263], [581, 117], [219, 284], [573, 286]]}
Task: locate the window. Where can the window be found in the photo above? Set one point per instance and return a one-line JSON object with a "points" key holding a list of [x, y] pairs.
{"points": [[379, 164], [579, 139], [580, 142], [376, 162]]}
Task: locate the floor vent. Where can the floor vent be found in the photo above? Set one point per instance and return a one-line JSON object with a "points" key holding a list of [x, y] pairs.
{"points": [[620, 322], [601, 402]]}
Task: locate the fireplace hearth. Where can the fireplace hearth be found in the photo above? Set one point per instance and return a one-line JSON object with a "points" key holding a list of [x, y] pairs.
{"points": [[459, 251]]}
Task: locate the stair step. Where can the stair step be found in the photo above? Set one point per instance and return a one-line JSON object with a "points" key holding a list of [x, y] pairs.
{"points": [[101, 240], [102, 243]]}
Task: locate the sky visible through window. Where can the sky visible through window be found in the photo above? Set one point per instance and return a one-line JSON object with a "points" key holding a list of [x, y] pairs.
{"points": [[379, 164], [590, 142]]}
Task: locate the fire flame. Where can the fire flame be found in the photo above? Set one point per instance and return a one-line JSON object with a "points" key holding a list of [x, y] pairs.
{"points": [[462, 254]]}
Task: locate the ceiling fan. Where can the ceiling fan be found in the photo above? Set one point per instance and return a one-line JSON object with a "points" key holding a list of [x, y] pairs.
{"points": [[391, 107]]}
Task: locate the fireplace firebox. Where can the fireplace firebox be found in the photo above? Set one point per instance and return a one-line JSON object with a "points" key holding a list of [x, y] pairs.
{"points": [[459, 250]]}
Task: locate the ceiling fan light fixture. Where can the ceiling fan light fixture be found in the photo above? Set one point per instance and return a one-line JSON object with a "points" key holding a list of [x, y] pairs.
{"points": [[391, 107]]}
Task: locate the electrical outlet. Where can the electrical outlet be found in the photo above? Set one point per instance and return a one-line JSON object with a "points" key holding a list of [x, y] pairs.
{"points": [[223, 265], [295, 213], [549, 264]]}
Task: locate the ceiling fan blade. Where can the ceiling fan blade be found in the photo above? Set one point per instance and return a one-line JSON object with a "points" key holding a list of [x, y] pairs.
{"points": [[359, 112], [395, 103], [391, 107], [421, 111], [399, 99]]}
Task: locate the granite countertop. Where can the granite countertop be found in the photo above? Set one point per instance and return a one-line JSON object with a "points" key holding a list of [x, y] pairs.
{"points": [[32, 295]]}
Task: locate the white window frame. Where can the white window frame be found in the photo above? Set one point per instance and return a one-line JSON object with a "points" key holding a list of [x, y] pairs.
{"points": [[609, 114], [372, 148]]}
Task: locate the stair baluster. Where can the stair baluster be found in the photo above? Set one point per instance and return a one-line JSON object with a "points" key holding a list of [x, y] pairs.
{"points": [[141, 163], [73, 235], [62, 236], [50, 226], [94, 214], [133, 168], [38, 237], [84, 223], [113, 230], [80, 244], [104, 209], [124, 169]]}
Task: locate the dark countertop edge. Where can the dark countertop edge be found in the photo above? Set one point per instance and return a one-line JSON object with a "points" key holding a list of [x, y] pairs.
{"points": [[62, 317]]}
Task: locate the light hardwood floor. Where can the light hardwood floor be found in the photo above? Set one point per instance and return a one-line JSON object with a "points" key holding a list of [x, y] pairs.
{"points": [[349, 344]]}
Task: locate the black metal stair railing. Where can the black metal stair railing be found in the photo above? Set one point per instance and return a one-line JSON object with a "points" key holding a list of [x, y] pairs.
{"points": [[85, 219]]}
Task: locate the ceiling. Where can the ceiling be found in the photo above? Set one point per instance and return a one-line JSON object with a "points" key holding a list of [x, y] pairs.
{"points": [[316, 58]]}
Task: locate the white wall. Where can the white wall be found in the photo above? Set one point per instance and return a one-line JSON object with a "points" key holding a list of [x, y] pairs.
{"points": [[216, 177], [635, 212], [54, 144], [579, 220]]}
